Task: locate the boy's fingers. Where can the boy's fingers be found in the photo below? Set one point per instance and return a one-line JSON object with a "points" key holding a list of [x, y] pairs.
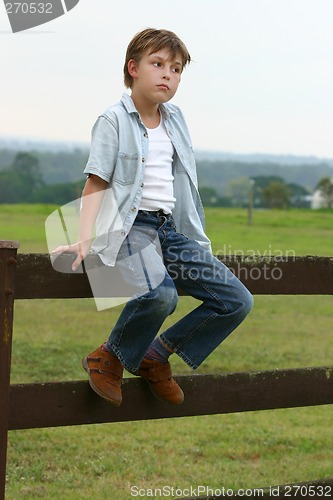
{"points": [[75, 248], [66, 248], [77, 262], [61, 249]]}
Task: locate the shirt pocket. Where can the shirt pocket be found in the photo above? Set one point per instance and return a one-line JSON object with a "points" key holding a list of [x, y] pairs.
{"points": [[126, 168], [187, 164], [180, 169]]}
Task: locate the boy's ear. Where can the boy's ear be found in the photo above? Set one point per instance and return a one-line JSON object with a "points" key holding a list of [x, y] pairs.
{"points": [[132, 67]]}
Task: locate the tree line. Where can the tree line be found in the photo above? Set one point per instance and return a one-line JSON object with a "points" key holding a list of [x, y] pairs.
{"points": [[260, 191], [23, 182], [267, 192]]}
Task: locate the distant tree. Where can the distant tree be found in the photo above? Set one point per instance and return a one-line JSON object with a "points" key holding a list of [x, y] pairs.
{"points": [[238, 191], [225, 201], [277, 195], [261, 182], [325, 187], [60, 194], [12, 188], [19, 181], [208, 196], [298, 195], [26, 166]]}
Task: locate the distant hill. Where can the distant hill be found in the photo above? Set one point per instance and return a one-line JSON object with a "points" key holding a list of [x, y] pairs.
{"points": [[287, 159], [25, 144], [63, 162]]}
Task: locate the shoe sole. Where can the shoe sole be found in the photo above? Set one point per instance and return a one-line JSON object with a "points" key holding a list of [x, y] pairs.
{"points": [[94, 388]]}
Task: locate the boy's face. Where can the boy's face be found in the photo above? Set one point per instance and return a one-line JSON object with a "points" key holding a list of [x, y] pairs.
{"points": [[156, 77]]}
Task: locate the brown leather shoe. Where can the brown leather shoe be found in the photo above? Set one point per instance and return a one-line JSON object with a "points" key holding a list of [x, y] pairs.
{"points": [[105, 375], [161, 383]]}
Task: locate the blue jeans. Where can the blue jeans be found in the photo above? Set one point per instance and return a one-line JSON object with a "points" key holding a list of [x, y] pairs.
{"points": [[184, 264]]}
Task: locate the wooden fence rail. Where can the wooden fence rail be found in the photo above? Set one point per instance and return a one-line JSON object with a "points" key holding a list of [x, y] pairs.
{"points": [[31, 276]]}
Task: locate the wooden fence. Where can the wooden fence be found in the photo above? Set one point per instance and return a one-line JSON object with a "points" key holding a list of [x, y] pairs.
{"points": [[23, 406]]}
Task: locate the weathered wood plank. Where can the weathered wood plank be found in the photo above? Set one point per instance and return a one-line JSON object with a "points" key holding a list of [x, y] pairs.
{"points": [[36, 279], [9, 244], [276, 275], [309, 275], [74, 403]]}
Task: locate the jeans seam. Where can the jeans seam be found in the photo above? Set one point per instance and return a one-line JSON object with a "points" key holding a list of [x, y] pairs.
{"points": [[187, 360], [206, 288], [127, 259], [139, 302], [178, 349], [115, 346]]}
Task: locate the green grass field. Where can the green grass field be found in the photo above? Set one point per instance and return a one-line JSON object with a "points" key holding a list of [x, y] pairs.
{"points": [[233, 451]]}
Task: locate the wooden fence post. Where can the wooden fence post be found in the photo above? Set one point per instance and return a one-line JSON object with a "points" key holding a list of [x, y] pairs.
{"points": [[8, 251]]}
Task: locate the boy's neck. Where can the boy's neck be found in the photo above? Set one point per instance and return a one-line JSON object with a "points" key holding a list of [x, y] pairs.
{"points": [[149, 112]]}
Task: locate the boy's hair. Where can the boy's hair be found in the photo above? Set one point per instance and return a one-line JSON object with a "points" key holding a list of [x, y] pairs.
{"points": [[152, 40]]}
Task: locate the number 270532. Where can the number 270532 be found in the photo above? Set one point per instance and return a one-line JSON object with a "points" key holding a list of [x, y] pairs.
{"points": [[28, 8]]}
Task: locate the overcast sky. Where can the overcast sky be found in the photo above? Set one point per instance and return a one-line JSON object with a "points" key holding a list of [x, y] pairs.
{"points": [[261, 80]]}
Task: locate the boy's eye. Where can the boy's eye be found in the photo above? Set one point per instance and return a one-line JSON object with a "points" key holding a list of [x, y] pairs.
{"points": [[159, 64]]}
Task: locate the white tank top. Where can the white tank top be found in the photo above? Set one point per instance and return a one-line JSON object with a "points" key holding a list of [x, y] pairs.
{"points": [[157, 191]]}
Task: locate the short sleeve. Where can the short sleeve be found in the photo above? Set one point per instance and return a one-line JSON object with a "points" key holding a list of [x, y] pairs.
{"points": [[103, 150]]}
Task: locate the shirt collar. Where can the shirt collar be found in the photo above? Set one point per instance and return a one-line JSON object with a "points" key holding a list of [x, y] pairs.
{"points": [[130, 107]]}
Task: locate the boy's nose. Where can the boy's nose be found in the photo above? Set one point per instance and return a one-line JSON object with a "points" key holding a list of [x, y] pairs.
{"points": [[167, 74]]}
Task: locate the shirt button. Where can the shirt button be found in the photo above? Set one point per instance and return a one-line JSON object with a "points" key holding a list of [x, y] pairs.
{"points": [[142, 184], [145, 134], [142, 159], [134, 209]]}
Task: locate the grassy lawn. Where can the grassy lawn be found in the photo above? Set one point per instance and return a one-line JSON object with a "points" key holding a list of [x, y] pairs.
{"points": [[232, 451]]}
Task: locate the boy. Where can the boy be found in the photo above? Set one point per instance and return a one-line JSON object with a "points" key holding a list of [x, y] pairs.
{"points": [[141, 149]]}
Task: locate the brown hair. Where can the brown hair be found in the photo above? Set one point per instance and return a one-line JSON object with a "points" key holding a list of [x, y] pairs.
{"points": [[153, 40]]}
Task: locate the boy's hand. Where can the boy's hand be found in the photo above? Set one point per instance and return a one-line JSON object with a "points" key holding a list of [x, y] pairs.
{"points": [[81, 249]]}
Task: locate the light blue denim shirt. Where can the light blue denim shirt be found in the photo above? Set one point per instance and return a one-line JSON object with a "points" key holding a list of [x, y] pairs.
{"points": [[118, 153]]}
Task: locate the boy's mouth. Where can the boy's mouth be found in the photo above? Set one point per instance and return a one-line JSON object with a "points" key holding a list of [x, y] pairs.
{"points": [[163, 86]]}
